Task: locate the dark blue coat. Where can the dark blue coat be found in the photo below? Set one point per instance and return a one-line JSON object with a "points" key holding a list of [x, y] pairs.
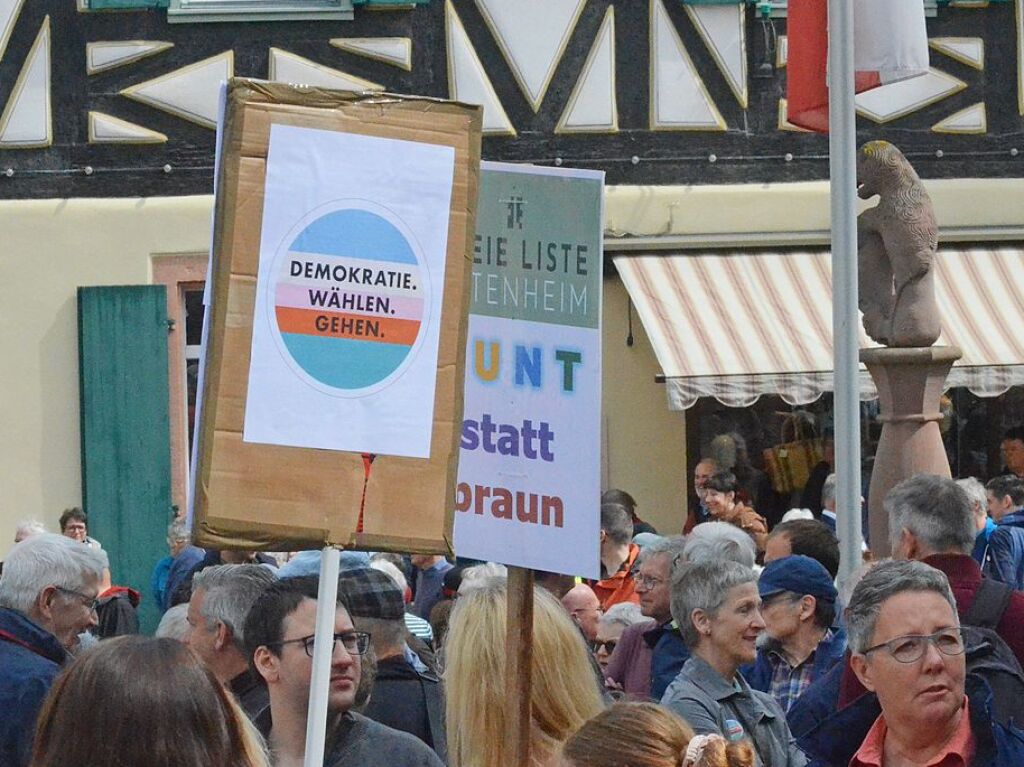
{"points": [[668, 654], [30, 658], [1005, 560], [828, 654]]}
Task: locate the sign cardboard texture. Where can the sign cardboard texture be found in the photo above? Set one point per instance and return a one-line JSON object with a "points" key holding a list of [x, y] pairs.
{"points": [[273, 497]]}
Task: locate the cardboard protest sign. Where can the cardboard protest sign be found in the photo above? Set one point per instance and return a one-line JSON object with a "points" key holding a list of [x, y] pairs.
{"points": [[332, 384], [529, 474]]}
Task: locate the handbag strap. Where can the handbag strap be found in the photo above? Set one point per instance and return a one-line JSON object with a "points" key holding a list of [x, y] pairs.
{"points": [[793, 422]]}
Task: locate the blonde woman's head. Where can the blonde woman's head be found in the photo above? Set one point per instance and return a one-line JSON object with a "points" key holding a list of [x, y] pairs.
{"points": [[565, 691]]}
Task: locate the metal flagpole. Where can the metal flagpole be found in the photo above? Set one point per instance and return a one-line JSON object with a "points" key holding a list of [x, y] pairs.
{"points": [[323, 650], [843, 182]]}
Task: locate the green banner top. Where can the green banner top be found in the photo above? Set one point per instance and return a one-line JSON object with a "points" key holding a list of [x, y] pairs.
{"points": [[537, 254]]}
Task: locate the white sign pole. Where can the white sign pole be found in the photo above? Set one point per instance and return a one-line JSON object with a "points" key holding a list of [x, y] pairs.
{"points": [[845, 320], [323, 649]]}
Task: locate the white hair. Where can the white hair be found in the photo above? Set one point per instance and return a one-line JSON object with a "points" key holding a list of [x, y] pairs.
{"points": [[27, 528], [480, 576], [389, 568], [797, 514], [174, 624], [622, 614], [178, 531], [975, 493], [828, 490], [716, 540], [45, 560]]}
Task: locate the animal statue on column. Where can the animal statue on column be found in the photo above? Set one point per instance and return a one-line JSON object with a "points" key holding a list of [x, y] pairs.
{"points": [[896, 246]]}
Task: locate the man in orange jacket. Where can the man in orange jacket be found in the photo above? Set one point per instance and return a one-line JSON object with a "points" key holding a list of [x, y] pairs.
{"points": [[618, 555]]}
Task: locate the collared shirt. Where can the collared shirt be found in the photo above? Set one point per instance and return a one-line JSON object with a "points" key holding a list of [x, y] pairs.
{"points": [[958, 752], [789, 682]]}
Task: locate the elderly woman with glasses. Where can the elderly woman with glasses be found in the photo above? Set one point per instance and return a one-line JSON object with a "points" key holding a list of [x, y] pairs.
{"points": [[610, 627], [716, 605], [908, 648]]}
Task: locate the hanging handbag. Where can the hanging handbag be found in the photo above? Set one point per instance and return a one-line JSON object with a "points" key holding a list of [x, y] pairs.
{"points": [[789, 465]]}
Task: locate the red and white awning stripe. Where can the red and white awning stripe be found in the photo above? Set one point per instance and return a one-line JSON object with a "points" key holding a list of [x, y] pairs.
{"points": [[741, 324]]}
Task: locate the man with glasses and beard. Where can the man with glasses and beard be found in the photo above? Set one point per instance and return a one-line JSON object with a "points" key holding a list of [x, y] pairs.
{"points": [[48, 596], [279, 635]]}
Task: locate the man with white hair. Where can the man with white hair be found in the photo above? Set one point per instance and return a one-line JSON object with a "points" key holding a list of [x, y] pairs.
{"points": [[221, 599], [630, 667], [48, 593]]}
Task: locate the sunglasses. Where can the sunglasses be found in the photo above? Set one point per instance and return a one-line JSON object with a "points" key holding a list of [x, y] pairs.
{"points": [[608, 645]]}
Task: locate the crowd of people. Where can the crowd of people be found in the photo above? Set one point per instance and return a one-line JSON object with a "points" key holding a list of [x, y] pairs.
{"points": [[732, 645]]}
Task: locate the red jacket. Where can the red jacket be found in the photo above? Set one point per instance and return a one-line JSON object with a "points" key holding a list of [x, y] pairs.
{"points": [[964, 575], [619, 587]]}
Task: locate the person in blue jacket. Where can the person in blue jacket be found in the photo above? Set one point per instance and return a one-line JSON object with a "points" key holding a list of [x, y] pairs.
{"points": [[798, 604], [48, 596], [1005, 558]]}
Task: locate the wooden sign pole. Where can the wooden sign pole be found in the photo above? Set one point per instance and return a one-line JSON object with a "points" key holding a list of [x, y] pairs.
{"points": [[519, 671]]}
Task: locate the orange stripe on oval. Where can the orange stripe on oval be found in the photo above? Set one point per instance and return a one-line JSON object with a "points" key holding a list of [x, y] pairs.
{"points": [[360, 327]]}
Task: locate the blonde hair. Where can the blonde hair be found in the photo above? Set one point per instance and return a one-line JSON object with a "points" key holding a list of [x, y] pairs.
{"points": [[646, 735], [565, 691]]}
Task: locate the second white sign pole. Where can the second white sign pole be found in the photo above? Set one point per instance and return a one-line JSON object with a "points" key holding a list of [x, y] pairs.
{"points": [[323, 649]]}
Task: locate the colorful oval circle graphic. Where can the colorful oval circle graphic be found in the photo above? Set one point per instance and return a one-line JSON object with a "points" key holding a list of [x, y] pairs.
{"points": [[349, 299]]}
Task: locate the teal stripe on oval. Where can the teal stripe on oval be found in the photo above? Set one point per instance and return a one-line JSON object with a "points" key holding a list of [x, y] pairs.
{"points": [[355, 234], [342, 362]]}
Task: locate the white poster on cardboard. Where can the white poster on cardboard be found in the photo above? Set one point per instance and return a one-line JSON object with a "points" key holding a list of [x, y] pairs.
{"points": [[349, 292], [529, 482]]}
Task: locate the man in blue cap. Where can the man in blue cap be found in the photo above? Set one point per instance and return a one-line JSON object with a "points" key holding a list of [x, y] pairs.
{"points": [[798, 604]]}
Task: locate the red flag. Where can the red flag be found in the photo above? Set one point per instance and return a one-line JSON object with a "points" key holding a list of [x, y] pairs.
{"points": [[890, 44]]}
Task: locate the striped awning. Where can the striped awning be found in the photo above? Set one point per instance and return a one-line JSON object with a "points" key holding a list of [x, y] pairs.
{"points": [[736, 325]]}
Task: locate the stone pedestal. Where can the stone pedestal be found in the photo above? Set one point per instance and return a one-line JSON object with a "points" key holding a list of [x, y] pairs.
{"points": [[909, 383]]}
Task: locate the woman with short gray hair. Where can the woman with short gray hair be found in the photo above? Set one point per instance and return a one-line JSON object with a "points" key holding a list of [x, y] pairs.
{"points": [[716, 605], [886, 580]]}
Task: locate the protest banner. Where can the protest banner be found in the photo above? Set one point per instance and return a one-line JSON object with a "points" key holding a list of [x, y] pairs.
{"points": [[332, 376], [528, 492]]}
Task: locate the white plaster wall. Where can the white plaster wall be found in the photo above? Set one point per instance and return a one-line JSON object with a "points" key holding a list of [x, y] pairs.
{"points": [[48, 248], [644, 442]]}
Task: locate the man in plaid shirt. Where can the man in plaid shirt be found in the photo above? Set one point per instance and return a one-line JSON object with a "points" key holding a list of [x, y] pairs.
{"points": [[798, 604]]}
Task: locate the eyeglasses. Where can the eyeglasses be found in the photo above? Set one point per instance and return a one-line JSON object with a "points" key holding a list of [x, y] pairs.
{"points": [[646, 581], [354, 642], [608, 645], [910, 648], [87, 601]]}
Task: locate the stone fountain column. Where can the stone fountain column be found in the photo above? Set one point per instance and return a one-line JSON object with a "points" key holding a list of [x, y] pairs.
{"points": [[909, 382]]}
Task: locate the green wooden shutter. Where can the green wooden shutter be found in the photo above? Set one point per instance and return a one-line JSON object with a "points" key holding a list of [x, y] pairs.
{"points": [[126, 453]]}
